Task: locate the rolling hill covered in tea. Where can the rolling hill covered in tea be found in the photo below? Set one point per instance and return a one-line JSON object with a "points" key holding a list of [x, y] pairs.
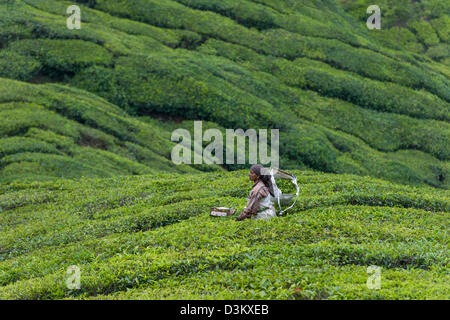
{"points": [[103, 100]]}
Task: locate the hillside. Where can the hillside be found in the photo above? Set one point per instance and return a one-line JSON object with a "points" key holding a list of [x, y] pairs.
{"points": [[425, 29], [89, 102], [151, 237], [55, 131]]}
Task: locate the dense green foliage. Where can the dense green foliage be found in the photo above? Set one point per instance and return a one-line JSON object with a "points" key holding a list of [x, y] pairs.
{"points": [[418, 26], [151, 237], [344, 100], [86, 176], [56, 131]]}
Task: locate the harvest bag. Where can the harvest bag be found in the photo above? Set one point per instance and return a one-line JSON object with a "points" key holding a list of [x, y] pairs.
{"points": [[280, 198]]}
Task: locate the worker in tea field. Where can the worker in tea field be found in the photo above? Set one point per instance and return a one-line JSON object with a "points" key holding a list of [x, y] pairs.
{"points": [[259, 204]]}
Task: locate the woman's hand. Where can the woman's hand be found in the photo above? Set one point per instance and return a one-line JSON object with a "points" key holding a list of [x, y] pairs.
{"points": [[241, 216]]}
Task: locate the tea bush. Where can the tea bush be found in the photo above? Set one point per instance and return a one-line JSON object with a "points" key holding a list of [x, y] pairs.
{"points": [[442, 27], [63, 55], [407, 39], [439, 52], [17, 66], [425, 33]]}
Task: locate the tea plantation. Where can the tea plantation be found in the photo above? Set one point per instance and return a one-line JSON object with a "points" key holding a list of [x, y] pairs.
{"points": [[423, 30], [344, 99], [151, 237], [87, 179]]}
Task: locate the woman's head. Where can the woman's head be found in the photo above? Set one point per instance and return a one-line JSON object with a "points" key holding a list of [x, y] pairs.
{"points": [[253, 175], [258, 172]]}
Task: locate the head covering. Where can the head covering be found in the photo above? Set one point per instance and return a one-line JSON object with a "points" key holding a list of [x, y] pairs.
{"points": [[263, 175]]}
